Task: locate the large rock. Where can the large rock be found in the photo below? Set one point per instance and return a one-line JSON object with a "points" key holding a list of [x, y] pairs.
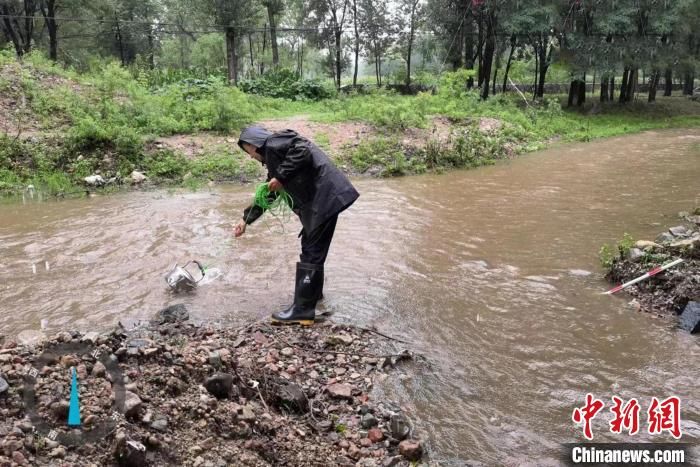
{"points": [[219, 385], [690, 318], [678, 231], [172, 314], [665, 238], [694, 219]]}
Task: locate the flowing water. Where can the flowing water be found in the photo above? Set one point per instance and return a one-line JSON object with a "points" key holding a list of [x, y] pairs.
{"points": [[492, 274]]}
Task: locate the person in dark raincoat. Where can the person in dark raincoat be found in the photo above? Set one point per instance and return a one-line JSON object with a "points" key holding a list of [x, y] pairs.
{"points": [[319, 192]]}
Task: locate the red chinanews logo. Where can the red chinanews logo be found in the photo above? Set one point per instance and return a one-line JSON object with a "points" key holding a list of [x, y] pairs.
{"points": [[661, 416]]}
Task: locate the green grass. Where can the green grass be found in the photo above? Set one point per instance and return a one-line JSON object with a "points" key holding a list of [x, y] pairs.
{"points": [[102, 119]]}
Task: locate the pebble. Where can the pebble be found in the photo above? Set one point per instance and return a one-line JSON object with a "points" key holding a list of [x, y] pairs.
{"points": [[368, 421], [340, 391], [19, 458], [375, 435], [58, 452], [287, 351], [132, 404], [99, 370], [219, 385], [4, 385]]}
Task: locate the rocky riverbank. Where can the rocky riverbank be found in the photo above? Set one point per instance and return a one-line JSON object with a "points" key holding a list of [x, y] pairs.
{"points": [[673, 290], [173, 393]]}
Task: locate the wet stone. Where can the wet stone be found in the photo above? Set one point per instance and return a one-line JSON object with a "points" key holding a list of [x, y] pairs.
{"points": [[665, 238], [411, 450], [368, 421], [172, 314], [678, 231], [399, 426], [690, 318]]}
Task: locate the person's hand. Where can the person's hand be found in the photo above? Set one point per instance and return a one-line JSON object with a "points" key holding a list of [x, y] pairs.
{"points": [[274, 185], [239, 229]]}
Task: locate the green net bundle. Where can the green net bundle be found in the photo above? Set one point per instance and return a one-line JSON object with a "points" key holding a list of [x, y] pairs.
{"points": [[278, 204]]}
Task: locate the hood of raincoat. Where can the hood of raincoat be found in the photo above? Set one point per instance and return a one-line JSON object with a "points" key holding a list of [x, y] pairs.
{"points": [[255, 135]]}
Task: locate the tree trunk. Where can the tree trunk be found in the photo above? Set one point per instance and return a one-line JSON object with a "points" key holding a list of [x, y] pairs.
{"points": [[581, 93], [593, 85], [510, 58], [338, 63], [537, 68], [577, 93], [48, 10], [151, 46], [653, 83], [572, 92], [469, 58], [231, 56], [495, 71], [10, 31], [273, 35], [632, 85], [603, 88], [262, 54], [480, 50], [410, 43], [544, 64], [612, 89], [623, 86], [29, 10], [357, 44], [487, 58], [250, 50], [301, 58], [119, 42], [668, 82], [688, 83]]}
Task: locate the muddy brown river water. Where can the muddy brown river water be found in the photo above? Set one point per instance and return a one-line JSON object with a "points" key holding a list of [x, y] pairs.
{"points": [[492, 274]]}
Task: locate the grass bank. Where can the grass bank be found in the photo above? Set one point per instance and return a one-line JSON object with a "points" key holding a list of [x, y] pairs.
{"points": [[58, 126]]}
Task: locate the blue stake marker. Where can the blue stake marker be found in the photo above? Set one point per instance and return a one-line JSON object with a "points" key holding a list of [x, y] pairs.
{"points": [[74, 408]]}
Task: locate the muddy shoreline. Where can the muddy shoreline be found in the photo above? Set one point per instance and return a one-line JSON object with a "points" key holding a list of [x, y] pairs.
{"points": [[667, 293], [174, 393]]}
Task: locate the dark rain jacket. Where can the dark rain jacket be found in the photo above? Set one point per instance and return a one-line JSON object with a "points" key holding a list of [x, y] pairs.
{"points": [[317, 188]]}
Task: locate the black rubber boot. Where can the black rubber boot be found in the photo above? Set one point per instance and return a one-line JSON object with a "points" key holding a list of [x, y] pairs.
{"points": [[309, 282], [319, 294]]}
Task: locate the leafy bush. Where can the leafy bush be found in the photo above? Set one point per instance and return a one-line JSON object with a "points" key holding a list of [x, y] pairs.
{"points": [[286, 84]]}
